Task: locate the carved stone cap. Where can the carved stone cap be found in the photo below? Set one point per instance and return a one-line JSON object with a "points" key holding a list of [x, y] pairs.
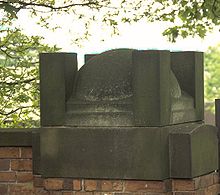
{"points": [[127, 87]]}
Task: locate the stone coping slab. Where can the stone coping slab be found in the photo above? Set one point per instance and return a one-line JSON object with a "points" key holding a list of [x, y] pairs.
{"points": [[16, 136]]}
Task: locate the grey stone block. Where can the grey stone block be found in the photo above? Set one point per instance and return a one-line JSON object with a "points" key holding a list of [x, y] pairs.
{"points": [[151, 88], [102, 152], [16, 137], [143, 153], [193, 150], [57, 76], [188, 68]]}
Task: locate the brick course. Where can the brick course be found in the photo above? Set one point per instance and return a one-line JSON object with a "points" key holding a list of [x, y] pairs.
{"points": [[3, 189], [26, 152], [145, 186], [53, 184], [38, 181], [184, 185], [23, 177], [111, 185], [16, 178], [21, 189], [9, 152], [7, 176], [21, 165], [91, 185], [68, 184], [77, 185], [4, 165]]}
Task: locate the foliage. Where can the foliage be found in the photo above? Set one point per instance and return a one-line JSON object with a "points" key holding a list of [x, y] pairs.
{"points": [[186, 18], [19, 80], [212, 74]]}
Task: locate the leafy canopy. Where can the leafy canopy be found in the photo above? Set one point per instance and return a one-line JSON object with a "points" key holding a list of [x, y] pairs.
{"points": [[19, 79], [212, 74], [186, 18]]}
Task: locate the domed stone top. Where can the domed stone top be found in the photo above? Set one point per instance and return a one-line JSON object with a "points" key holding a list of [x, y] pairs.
{"points": [[105, 89], [108, 76], [122, 87]]}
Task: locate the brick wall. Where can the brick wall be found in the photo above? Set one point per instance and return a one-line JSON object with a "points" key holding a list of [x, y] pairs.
{"points": [[16, 170], [205, 185], [16, 179]]}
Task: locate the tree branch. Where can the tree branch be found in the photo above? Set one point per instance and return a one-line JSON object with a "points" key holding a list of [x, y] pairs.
{"points": [[25, 4], [7, 54], [8, 37], [18, 82], [15, 110]]}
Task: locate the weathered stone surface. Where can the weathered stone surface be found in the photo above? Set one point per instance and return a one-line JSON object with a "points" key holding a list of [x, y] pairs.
{"points": [[57, 75], [124, 115], [129, 153], [16, 137], [121, 87], [193, 150], [119, 153], [107, 76]]}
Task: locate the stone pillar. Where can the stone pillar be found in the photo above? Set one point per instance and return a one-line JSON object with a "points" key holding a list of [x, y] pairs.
{"points": [[57, 76]]}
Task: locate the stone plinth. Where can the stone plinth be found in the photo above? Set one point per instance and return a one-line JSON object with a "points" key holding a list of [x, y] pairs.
{"points": [[180, 151], [17, 177]]}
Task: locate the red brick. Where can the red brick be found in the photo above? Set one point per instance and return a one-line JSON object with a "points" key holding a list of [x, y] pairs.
{"points": [[77, 185], [26, 152], [168, 185], [111, 185], [9, 152], [23, 177], [21, 165], [38, 181], [216, 177], [53, 184], [184, 185], [205, 181], [201, 192], [4, 165], [40, 191], [100, 193], [84, 193], [7, 176], [106, 185], [91, 185], [145, 186], [138, 193], [67, 193], [213, 190], [117, 185], [3, 189], [21, 189], [56, 193], [124, 193], [185, 193], [68, 184]]}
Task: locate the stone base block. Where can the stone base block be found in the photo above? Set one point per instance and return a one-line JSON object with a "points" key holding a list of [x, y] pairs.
{"points": [[141, 153]]}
